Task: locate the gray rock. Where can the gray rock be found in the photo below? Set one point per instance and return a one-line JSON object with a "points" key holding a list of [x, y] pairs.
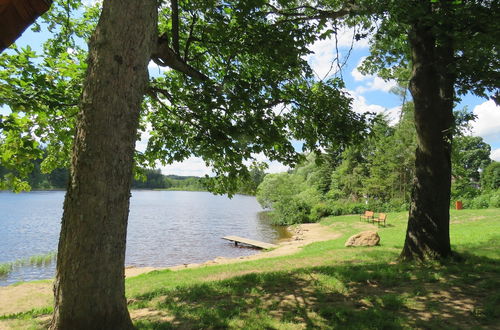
{"points": [[365, 238]]}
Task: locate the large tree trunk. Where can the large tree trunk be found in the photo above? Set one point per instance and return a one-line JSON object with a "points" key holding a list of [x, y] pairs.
{"points": [[90, 285], [431, 85]]}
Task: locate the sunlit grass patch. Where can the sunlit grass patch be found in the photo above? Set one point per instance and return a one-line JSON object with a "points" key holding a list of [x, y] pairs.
{"points": [[326, 285], [36, 312]]}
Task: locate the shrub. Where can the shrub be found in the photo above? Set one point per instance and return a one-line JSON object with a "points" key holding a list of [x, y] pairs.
{"points": [[320, 210], [480, 202], [395, 205], [495, 199], [276, 187], [342, 207], [289, 211], [486, 200]]}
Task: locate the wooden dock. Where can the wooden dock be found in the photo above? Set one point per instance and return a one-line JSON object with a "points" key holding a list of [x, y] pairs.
{"points": [[251, 242]]}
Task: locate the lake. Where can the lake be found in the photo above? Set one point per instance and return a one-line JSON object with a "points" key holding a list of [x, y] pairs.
{"points": [[166, 228]]}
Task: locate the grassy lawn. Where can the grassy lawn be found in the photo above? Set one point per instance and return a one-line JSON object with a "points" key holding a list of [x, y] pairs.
{"points": [[329, 286]]}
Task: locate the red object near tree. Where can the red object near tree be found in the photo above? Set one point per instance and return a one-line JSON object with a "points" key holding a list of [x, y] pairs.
{"points": [[459, 205], [16, 16]]}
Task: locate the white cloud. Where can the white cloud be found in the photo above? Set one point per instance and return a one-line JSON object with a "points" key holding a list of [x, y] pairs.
{"points": [[495, 154], [360, 105], [4, 110], [193, 166], [273, 166], [156, 70], [324, 52], [393, 114], [371, 82], [346, 36], [487, 124], [142, 143], [376, 84], [89, 3], [358, 76], [276, 167], [321, 61]]}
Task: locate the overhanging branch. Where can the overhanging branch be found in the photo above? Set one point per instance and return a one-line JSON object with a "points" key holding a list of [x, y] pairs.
{"points": [[166, 56], [175, 25], [298, 14]]}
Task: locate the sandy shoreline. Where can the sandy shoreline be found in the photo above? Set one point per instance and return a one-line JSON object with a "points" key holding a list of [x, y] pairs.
{"points": [[22, 297]]}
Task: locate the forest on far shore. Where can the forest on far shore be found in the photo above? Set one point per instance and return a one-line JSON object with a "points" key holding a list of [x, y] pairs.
{"points": [[143, 179]]}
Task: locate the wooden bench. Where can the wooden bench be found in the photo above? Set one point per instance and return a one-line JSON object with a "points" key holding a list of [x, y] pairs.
{"points": [[382, 217], [368, 216]]}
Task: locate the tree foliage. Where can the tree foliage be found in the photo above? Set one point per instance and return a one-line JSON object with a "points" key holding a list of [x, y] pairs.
{"points": [[374, 174], [490, 177], [41, 90], [474, 29], [471, 156], [236, 85]]}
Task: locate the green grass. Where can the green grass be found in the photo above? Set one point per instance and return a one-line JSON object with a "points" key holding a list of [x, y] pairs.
{"points": [[28, 314], [5, 268], [36, 260], [328, 286]]}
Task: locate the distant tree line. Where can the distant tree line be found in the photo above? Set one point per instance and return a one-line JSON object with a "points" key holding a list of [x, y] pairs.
{"points": [[154, 179], [144, 179]]}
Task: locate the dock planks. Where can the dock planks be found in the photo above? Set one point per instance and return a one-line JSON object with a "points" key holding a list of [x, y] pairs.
{"points": [[237, 239]]}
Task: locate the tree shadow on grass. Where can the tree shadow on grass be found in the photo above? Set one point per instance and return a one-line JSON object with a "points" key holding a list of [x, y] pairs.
{"points": [[347, 296]]}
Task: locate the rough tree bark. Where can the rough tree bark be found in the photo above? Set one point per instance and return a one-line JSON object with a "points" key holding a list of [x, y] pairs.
{"points": [[90, 288], [432, 88]]}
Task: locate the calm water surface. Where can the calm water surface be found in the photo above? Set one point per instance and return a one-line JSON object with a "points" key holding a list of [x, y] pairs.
{"points": [[166, 228]]}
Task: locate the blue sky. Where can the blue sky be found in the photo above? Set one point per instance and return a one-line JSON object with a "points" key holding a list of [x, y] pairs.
{"points": [[370, 93]]}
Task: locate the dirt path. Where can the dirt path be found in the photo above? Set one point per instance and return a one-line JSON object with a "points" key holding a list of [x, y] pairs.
{"points": [[26, 296]]}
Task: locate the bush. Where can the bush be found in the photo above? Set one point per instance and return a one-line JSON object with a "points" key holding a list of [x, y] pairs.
{"points": [[342, 207], [289, 211], [394, 205], [277, 187], [495, 199], [480, 202], [320, 210], [486, 200]]}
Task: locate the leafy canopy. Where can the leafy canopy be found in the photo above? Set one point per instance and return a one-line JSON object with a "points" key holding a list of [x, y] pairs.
{"points": [[236, 85]]}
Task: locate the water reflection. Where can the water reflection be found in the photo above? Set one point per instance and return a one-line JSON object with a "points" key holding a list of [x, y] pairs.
{"points": [[282, 232]]}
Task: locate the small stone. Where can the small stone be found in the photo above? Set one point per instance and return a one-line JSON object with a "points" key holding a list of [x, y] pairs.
{"points": [[132, 301], [365, 238]]}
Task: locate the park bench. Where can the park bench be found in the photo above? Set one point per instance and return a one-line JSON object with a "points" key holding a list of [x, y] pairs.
{"points": [[368, 216], [381, 218]]}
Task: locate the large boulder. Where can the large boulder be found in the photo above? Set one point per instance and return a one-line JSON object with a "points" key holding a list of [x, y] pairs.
{"points": [[365, 238]]}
